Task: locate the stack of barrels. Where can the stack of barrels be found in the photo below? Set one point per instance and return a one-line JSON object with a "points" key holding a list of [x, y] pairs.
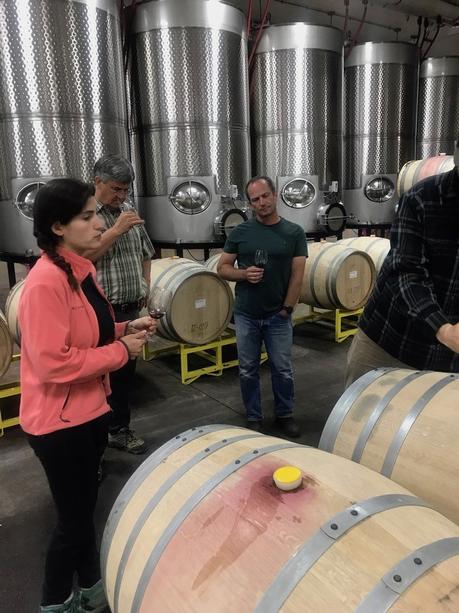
{"points": [[338, 275]]}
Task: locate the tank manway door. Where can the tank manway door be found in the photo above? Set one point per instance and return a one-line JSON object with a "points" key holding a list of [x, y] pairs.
{"points": [[191, 197], [379, 189], [298, 193], [228, 219], [26, 197], [331, 218]]}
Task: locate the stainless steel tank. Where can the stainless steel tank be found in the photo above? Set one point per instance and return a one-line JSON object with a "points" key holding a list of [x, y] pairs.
{"points": [[62, 102], [190, 138], [379, 126], [297, 118], [438, 106]]}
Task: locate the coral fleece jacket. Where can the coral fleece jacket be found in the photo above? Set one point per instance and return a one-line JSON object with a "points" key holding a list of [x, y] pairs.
{"points": [[63, 382]]}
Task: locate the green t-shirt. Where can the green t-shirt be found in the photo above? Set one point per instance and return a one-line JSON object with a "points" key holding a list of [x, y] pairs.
{"points": [[283, 241]]}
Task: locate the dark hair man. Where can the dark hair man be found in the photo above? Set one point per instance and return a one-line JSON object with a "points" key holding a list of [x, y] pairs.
{"points": [[265, 298]]}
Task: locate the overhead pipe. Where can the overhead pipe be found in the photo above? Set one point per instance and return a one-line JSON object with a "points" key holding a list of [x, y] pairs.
{"points": [[425, 8], [249, 18], [259, 33], [335, 14], [426, 32], [434, 38], [359, 29], [346, 19], [419, 22]]}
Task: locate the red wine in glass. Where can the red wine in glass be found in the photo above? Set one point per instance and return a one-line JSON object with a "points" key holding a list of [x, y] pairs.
{"points": [[261, 258], [158, 302], [156, 313]]}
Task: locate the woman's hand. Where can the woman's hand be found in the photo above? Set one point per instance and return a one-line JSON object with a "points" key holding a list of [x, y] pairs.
{"points": [[134, 343], [142, 323]]}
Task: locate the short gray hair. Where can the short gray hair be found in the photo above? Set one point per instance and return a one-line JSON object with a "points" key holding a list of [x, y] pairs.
{"points": [[115, 168]]}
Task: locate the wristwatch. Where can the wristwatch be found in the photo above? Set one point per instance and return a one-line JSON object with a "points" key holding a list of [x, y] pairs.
{"points": [[287, 309]]}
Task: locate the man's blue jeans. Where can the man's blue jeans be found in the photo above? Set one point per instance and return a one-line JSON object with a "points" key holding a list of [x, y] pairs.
{"points": [[277, 333]]}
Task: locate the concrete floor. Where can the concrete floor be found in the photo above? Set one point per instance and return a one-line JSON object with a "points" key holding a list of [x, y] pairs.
{"points": [[162, 408]]}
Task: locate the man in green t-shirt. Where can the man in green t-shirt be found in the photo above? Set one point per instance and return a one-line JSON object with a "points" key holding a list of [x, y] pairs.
{"points": [[265, 297]]}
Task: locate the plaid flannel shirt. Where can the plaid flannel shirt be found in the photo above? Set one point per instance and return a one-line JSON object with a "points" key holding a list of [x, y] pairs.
{"points": [[120, 269], [417, 290]]}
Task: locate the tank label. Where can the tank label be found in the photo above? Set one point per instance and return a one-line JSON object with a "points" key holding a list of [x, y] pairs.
{"points": [[353, 274], [200, 304]]}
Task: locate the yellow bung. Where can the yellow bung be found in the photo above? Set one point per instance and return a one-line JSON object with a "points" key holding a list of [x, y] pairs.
{"points": [[287, 478]]}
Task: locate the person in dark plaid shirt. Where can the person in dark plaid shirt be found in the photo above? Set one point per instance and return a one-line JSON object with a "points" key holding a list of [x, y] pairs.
{"points": [[123, 264], [411, 319]]}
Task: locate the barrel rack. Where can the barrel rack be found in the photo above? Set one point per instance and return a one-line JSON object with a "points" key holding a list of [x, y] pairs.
{"points": [[7, 390], [343, 322], [211, 352]]}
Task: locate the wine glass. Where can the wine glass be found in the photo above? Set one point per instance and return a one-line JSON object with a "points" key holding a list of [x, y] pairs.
{"points": [[261, 258], [128, 204], [158, 302]]}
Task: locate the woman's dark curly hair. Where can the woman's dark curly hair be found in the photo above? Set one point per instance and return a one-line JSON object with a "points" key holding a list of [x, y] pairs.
{"points": [[59, 201]]}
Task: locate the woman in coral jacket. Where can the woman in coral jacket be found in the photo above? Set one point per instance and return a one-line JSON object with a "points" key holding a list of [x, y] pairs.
{"points": [[69, 343]]}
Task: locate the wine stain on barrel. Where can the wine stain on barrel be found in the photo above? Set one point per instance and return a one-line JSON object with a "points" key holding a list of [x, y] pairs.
{"points": [[255, 503]]}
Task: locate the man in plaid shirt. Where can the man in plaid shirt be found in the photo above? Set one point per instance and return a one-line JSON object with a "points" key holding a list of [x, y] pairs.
{"points": [[123, 263], [411, 319]]}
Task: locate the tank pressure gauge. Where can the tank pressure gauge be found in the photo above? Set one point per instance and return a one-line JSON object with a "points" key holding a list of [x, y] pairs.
{"points": [[380, 189], [298, 193], [190, 197]]}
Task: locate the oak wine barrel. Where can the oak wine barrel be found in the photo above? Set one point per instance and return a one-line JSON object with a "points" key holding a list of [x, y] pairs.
{"points": [[6, 345], [403, 424], [417, 170], [11, 310], [212, 264], [201, 304], [200, 527], [377, 248], [337, 276]]}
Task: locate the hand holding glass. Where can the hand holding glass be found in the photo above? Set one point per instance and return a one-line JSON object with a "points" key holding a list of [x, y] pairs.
{"points": [[158, 301]]}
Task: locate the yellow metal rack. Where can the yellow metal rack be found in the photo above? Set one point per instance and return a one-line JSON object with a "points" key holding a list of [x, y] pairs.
{"points": [[344, 322], [7, 390], [211, 352]]}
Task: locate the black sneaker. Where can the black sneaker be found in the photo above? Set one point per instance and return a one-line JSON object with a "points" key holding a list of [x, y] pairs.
{"points": [[288, 426], [256, 425]]}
